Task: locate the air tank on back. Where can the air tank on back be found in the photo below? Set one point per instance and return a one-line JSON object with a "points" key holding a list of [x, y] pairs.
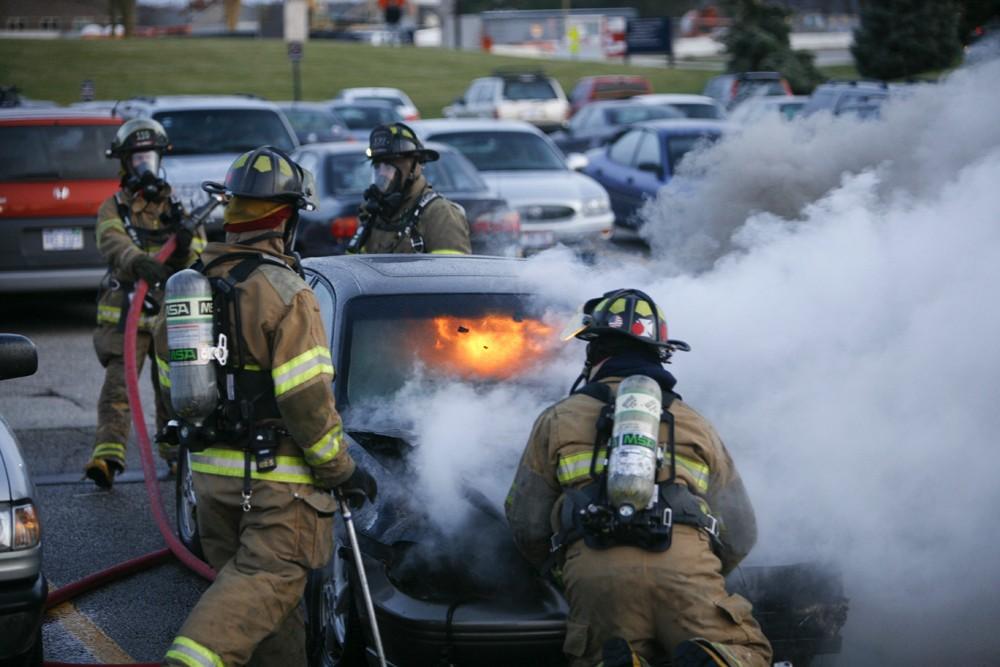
{"points": [[190, 343], [631, 480]]}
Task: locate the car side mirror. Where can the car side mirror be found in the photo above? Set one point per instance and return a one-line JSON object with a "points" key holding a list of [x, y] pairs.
{"points": [[652, 168], [18, 357], [577, 161]]}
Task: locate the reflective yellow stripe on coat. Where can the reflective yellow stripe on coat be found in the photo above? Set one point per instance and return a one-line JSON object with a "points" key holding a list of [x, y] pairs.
{"points": [[189, 652], [326, 448], [576, 467], [163, 373], [301, 369], [230, 463]]}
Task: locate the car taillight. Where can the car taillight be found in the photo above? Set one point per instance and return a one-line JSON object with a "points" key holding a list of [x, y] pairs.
{"points": [[412, 116], [343, 228], [734, 88], [788, 89], [496, 112], [504, 221]]}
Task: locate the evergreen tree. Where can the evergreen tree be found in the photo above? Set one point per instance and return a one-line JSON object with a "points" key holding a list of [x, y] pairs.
{"points": [[758, 40], [902, 38]]}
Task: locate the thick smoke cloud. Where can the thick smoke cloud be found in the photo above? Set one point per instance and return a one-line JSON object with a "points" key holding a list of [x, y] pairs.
{"points": [[837, 282]]}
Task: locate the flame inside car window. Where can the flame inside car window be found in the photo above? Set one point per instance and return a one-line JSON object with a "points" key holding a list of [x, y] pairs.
{"points": [[494, 346]]}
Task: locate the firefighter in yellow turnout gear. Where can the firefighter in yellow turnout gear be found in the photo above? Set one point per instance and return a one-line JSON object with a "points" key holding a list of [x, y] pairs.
{"points": [[637, 589], [132, 226], [265, 522], [402, 213]]}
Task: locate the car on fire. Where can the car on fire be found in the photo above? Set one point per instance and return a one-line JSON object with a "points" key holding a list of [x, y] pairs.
{"points": [[398, 319]]}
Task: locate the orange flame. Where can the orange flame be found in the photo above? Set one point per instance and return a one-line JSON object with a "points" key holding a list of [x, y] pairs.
{"points": [[493, 346]]}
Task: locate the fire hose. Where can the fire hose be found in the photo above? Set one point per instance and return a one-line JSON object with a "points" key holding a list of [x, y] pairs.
{"points": [[174, 545]]}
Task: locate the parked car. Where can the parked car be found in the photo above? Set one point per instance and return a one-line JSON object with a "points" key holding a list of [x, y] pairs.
{"points": [[432, 600], [208, 132], [607, 87], [759, 108], [53, 178], [397, 98], [556, 204], [598, 123], [731, 89], [860, 98], [343, 172], [529, 96], [644, 159], [313, 122], [692, 106], [361, 117], [23, 587]]}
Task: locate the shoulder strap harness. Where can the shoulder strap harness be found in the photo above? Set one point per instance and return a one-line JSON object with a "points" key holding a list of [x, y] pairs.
{"points": [[409, 230]]}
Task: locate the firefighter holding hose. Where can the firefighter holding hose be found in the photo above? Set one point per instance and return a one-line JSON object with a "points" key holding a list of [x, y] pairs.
{"points": [[251, 376], [132, 226], [632, 495]]}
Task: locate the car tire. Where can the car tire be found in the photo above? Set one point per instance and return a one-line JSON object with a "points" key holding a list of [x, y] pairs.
{"points": [[30, 658], [187, 507], [333, 626]]}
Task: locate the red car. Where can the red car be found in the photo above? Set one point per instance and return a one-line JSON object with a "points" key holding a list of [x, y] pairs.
{"points": [[607, 87], [53, 178]]}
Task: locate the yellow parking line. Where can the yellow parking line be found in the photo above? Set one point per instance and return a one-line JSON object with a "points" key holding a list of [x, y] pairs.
{"points": [[104, 649]]}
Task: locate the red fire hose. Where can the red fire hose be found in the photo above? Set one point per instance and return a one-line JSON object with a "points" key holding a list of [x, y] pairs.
{"points": [[174, 546]]}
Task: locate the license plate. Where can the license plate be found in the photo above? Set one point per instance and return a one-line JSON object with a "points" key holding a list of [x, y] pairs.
{"points": [[537, 239], [62, 239]]}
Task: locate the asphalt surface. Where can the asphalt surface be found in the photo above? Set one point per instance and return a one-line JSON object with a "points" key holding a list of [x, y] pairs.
{"points": [[54, 413]]}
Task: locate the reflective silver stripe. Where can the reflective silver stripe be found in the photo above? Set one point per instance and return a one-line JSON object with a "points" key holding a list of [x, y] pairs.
{"points": [[191, 653], [301, 369], [326, 448], [230, 463], [575, 467]]}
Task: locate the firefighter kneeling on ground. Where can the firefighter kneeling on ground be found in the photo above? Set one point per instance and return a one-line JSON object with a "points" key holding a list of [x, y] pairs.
{"points": [[264, 459], [132, 226], [401, 212], [644, 578]]}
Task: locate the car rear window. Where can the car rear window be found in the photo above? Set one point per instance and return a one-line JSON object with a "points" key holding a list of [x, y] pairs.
{"points": [[312, 120], [478, 337], [503, 151], [390, 99], [56, 152], [709, 111], [453, 173], [538, 89], [620, 89], [209, 131], [761, 87], [347, 174], [680, 145], [639, 113], [367, 117]]}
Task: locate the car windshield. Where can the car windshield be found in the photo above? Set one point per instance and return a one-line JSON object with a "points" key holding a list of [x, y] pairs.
{"points": [[620, 89], [680, 145], [351, 173], [52, 152], [535, 89], [391, 99], [504, 151], [311, 120], [638, 113], [208, 131], [753, 87], [709, 111], [368, 116], [473, 337]]}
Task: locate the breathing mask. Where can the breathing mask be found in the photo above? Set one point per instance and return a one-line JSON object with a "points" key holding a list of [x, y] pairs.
{"points": [[143, 168], [385, 194]]}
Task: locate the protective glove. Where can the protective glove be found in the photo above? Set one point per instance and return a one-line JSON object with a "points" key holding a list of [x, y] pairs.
{"points": [[150, 270], [358, 487], [179, 257]]}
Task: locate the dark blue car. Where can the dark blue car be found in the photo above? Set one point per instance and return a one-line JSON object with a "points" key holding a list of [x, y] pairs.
{"points": [[643, 159]]}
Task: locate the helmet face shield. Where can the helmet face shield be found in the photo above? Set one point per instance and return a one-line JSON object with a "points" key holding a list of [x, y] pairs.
{"points": [[142, 162]]}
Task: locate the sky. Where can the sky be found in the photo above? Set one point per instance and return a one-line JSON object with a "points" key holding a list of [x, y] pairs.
{"points": [[836, 280]]}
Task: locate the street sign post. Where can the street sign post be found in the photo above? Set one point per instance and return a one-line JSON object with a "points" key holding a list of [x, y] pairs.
{"points": [[296, 34], [650, 35]]}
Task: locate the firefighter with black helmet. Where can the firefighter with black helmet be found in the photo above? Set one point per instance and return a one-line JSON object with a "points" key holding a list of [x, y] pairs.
{"points": [[643, 579], [132, 226], [264, 460], [401, 212]]}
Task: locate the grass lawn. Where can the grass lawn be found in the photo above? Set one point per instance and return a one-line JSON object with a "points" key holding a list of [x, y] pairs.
{"points": [[54, 69]]}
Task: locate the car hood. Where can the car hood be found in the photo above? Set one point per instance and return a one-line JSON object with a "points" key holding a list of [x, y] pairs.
{"points": [[420, 559], [186, 172], [521, 188]]}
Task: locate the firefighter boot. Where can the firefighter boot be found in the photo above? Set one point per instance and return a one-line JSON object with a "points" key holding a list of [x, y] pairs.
{"points": [[102, 471], [698, 652], [617, 653]]}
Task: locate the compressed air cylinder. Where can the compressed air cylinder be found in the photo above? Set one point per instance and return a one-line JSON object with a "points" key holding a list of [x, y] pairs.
{"points": [[632, 460], [190, 344]]}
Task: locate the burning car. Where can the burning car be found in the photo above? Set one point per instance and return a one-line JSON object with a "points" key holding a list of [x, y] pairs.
{"points": [[456, 591]]}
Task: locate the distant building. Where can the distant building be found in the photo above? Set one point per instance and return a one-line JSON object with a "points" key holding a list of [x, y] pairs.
{"points": [[52, 16]]}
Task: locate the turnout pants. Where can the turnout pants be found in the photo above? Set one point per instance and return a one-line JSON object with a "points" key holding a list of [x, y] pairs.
{"points": [[655, 601], [114, 419], [262, 557]]}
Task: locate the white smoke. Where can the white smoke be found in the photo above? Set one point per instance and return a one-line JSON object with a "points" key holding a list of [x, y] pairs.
{"points": [[836, 280]]}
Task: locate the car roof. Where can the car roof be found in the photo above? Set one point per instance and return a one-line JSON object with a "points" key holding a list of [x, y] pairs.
{"points": [[420, 274], [775, 100], [436, 125], [685, 125], [676, 98], [345, 147], [373, 90], [381, 104], [182, 102], [316, 106], [34, 114]]}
